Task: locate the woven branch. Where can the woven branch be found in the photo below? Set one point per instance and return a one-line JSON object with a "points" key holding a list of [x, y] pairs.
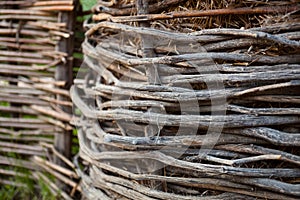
{"points": [[210, 102]]}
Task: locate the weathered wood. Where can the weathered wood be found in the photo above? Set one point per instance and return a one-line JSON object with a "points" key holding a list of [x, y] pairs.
{"points": [[59, 176], [58, 115], [128, 60], [63, 142], [254, 149], [25, 138], [203, 168], [169, 141], [252, 34], [272, 135], [264, 111], [24, 12], [268, 87], [21, 90], [47, 3], [57, 191], [234, 78], [186, 120], [277, 98], [58, 154], [222, 102], [55, 101], [141, 17], [58, 168], [18, 163], [21, 146], [13, 173], [21, 110], [24, 123], [241, 180], [27, 47], [38, 132]]}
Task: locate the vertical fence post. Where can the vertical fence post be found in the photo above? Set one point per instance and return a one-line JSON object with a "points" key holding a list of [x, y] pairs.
{"points": [[64, 72]]}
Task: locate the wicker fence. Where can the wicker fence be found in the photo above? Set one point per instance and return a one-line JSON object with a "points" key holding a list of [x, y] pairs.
{"points": [[35, 108], [190, 100]]}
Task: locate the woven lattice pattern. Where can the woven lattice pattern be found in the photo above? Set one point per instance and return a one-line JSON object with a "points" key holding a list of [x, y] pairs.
{"points": [[33, 96], [175, 108]]}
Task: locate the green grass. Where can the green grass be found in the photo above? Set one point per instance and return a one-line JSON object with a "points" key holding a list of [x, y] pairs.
{"points": [[4, 104], [87, 4], [26, 189], [45, 193], [75, 143]]}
